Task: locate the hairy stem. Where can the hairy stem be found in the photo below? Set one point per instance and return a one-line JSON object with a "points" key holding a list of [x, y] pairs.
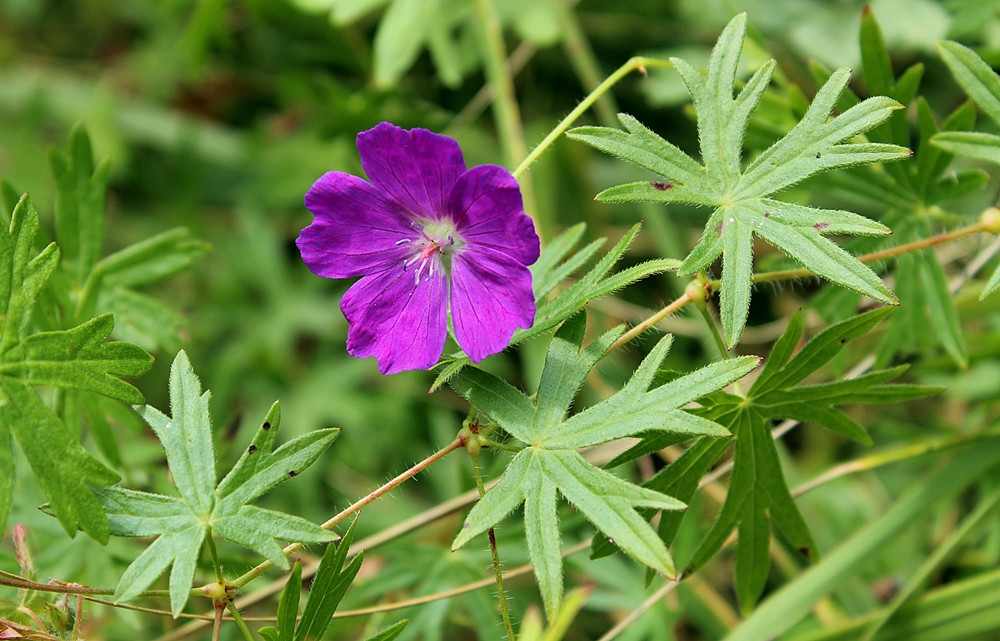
{"points": [[388, 487], [789, 274], [649, 322], [638, 62], [713, 330], [874, 257], [215, 556], [239, 621], [220, 608], [497, 571]]}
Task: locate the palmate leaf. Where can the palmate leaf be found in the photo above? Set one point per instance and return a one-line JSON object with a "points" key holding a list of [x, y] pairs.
{"points": [[550, 464], [181, 524], [72, 359], [550, 270], [742, 196], [758, 485]]}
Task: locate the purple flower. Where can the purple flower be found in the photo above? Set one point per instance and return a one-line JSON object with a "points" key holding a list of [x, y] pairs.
{"points": [[427, 236]]}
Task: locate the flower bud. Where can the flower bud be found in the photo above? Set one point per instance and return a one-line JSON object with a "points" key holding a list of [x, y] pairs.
{"points": [[990, 220], [699, 292]]}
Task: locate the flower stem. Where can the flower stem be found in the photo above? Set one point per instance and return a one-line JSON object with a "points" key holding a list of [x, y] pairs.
{"points": [[584, 62], [789, 274], [497, 571], [215, 556], [240, 623], [649, 322], [217, 622], [714, 331], [348, 511], [638, 62], [917, 245]]}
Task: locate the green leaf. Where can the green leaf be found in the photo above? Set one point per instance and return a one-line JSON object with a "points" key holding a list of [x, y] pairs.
{"points": [[400, 37], [142, 320], [151, 260], [794, 600], [328, 588], [181, 524], [81, 192], [62, 468], [551, 466], [971, 144], [991, 285], [976, 77], [875, 56], [79, 358], [391, 632], [742, 196], [758, 484], [288, 606], [595, 284], [74, 359]]}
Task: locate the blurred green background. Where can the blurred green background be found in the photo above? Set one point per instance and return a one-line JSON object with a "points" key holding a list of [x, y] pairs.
{"points": [[219, 114]]}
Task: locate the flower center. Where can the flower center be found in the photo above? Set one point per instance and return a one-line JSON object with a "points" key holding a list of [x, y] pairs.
{"points": [[432, 248]]}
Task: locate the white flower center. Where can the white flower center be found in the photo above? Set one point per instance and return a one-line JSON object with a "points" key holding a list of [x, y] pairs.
{"points": [[432, 249]]}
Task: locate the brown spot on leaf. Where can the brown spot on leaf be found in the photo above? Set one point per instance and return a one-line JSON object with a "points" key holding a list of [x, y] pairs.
{"points": [[266, 425], [767, 214], [252, 449], [292, 474], [818, 154], [821, 226], [661, 186], [805, 552]]}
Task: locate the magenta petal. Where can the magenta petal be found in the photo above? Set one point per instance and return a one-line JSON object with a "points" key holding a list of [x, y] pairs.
{"points": [[490, 298], [400, 322], [417, 167], [355, 231], [486, 206]]}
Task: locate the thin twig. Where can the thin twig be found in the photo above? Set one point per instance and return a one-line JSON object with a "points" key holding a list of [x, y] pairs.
{"points": [[638, 612], [388, 487], [638, 62]]}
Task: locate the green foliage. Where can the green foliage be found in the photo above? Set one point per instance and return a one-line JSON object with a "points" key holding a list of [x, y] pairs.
{"points": [[914, 198], [758, 484], [550, 270], [982, 85], [327, 591], [182, 523], [84, 283], [448, 29], [794, 599], [550, 463], [73, 359], [741, 196]]}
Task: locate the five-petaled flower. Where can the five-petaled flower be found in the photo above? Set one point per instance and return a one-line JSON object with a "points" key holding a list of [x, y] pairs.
{"points": [[428, 237]]}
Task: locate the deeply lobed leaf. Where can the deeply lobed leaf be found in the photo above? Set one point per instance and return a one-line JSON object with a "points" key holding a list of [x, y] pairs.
{"points": [[550, 466], [742, 196], [181, 524]]}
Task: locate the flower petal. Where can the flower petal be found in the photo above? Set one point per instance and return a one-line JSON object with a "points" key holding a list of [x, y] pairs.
{"points": [[400, 322], [490, 298], [355, 230], [485, 205], [416, 167]]}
